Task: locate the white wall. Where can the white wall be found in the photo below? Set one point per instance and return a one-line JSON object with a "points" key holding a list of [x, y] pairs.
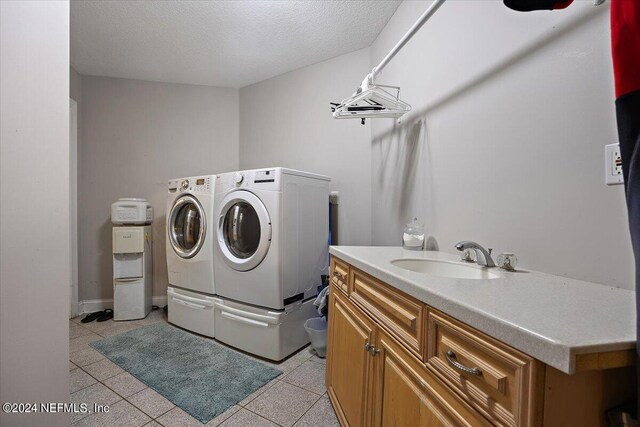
{"points": [[137, 135], [34, 230], [286, 121], [505, 144]]}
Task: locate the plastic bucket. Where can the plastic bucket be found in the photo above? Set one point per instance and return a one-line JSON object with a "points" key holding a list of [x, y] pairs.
{"points": [[317, 329]]}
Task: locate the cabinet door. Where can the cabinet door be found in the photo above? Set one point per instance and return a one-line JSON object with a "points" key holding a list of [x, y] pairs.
{"points": [[406, 394], [349, 365]]}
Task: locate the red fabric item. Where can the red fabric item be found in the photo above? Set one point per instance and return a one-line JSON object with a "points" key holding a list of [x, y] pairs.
{"points": [[625, 45], [530, 5], [562, 4]]}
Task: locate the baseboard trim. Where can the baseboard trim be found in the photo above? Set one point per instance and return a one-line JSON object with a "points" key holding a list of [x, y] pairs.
{"points": [[160, 301], [91, 305]]}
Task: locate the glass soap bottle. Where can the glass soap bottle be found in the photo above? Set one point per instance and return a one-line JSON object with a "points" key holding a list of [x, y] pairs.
{"points": [[413, 236]]}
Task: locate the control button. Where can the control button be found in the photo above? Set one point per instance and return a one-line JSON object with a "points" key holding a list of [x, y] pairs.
{"points": [[238, 178], [185, 184]]}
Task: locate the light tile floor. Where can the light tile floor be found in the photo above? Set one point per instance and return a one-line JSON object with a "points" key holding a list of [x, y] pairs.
{"points": [[296, 398]]}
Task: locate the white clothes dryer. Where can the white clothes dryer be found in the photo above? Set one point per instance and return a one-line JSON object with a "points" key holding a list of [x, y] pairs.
{"points": [[270, 253], [272, 235], [191, 233]]}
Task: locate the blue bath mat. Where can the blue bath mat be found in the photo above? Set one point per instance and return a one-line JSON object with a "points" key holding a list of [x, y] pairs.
{"points": [[200, 376]]}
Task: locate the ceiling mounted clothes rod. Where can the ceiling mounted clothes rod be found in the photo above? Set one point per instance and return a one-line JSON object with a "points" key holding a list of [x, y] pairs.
{"points": [[375, 101], [414, 29]]}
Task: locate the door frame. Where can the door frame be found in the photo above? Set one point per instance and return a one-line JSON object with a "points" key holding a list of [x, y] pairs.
{"points": [[74, 308]]}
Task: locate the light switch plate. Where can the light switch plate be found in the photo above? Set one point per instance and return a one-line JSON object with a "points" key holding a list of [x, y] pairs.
{"points": [[612, 165]]}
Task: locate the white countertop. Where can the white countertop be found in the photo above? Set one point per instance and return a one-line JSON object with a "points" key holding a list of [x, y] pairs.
{"points": [[551, 318]]}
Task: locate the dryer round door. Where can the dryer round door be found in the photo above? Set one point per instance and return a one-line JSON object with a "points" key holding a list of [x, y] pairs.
{"points": [[244, 230], [186, 226]]}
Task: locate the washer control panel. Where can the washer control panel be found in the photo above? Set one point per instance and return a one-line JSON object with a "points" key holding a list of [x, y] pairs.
{"points": [[196, 184], [263, 179], [263, 176]]}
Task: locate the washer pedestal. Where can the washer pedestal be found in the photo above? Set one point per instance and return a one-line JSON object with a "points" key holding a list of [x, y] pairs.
{"points": [[271, 334]]}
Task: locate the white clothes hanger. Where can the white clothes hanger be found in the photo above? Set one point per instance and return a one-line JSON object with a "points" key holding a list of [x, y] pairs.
{"points": [[373, 100]]}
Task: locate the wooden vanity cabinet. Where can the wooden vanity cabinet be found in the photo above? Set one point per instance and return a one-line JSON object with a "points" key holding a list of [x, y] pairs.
{"points": [[349, 366], [403, 316], [406, 394], [394, 361], [373, 380], [504, 386], [340, 275]]}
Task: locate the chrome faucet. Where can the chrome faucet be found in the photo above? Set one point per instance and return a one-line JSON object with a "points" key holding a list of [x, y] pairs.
{"points": [[483, 256]]}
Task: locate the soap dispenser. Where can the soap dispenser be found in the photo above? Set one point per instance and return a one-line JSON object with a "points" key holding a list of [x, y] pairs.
{"points": [[413, 236]]}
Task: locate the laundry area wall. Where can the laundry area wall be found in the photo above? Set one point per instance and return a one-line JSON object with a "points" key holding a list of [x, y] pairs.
{"points": [[493, 151], [505, 143], [136, 135], [286, 121]]}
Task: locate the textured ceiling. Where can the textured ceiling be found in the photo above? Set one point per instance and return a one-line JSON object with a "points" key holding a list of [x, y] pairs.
{"points": [[222, 43]]}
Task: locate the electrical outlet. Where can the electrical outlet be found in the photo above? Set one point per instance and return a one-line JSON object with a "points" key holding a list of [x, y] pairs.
{"points": [[612, 164]]}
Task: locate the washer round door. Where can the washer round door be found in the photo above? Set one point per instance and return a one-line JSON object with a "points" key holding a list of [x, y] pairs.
{"points": [[186, 226], [244, 230]]}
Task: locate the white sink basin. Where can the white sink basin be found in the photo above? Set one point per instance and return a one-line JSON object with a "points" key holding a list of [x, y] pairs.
{"points": [[447, 269]]}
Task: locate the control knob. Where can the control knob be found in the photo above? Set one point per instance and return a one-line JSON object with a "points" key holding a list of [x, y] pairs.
{"points": [[238, 178]]}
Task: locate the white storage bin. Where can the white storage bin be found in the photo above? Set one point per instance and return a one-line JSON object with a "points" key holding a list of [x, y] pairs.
{"points": [[317, 330]]}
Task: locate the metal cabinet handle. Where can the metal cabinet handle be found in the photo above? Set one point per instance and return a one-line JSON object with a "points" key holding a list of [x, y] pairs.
{"points": [[451, 356], [339, 276], [371, 349]]}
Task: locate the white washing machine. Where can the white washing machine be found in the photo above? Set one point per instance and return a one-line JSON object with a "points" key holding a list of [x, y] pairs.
{"points": [[191, 234], [270, 253]]}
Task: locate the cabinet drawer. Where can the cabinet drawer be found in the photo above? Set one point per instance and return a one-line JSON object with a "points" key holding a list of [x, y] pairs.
{"points": [[340, 274], [497, 380], [402, 315], [407, 394]]}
